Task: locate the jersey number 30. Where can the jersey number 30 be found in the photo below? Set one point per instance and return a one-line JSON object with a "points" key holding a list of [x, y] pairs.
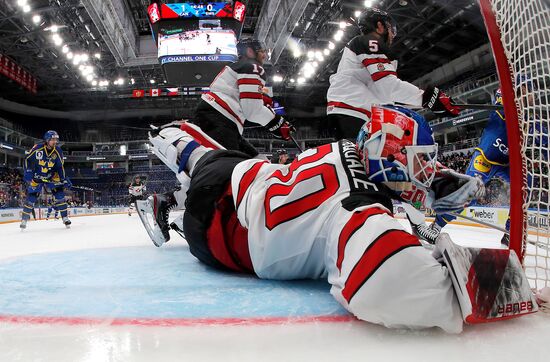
{"points": [[296, 201]]}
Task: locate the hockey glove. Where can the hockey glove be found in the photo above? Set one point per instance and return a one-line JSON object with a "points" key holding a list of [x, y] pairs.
{"points": [[439, 103], [280, 128], [452, 191]]}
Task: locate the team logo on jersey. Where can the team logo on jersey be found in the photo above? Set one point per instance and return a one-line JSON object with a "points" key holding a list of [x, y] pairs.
{"points": [[39, 155], [380, 67], [481, 164]]}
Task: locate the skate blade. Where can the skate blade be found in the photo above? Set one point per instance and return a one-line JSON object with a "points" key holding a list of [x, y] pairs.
{"points": [[144, 208]]}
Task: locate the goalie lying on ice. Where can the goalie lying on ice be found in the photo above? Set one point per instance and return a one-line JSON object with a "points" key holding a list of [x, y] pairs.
{"points": [[329, 215]]}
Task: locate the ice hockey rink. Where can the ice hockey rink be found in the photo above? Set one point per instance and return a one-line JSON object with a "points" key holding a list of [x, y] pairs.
{"points": [[101, 291]]}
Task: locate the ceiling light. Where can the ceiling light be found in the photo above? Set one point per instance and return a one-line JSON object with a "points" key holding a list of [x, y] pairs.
{"points": [[94, 83], [97, 55], [76, 60], [368, 3], [120, 81], [301, 80], [90, 77], [65, 49], [343, 24], [311, 54], [26, 8], [297, 53], [36, 19], [84, 57], [319, 56], [326, 51], [132, 81], [277, 79], [21, 2], [315, 64], [330, 45], [292, 80], [52, 28], [357, 13], [152, 81], [69, 55]]}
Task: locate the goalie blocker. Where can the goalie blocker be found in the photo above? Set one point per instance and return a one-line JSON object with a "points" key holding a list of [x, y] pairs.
{"points": [[490, 284]]}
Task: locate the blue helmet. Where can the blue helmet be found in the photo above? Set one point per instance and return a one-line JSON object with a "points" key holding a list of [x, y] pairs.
{"points": [[397, 147], [50, 135]]}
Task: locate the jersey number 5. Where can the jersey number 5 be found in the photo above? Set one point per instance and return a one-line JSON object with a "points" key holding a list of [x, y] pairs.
{"points": [[310, 188], [373, 45]]}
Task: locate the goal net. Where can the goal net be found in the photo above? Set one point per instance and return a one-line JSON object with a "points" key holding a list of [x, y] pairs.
{"points": [[519, 31]]}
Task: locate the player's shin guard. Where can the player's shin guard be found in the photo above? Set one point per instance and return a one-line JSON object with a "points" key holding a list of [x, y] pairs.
{"points": [[29, 205], [490, 284]]}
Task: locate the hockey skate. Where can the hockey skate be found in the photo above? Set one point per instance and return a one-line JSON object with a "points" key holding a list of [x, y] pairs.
{"points": [[23, 224], [153, 213], [66, 222], [426, 233]]}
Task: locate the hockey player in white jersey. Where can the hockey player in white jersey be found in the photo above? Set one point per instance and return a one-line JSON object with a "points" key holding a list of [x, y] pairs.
{"points": [[236, 95], [367, 75], [136, 190], [324, 216]]}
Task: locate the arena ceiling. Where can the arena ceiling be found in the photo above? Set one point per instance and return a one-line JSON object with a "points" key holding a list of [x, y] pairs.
{"points": [[430, 33]]}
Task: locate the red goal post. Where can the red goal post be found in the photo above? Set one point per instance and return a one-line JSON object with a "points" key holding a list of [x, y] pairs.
{"points": [[519, 31]]}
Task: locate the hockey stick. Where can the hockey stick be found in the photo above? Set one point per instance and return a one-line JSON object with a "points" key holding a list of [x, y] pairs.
{"points": [[296, 143], [496, 227], [491, 107]]}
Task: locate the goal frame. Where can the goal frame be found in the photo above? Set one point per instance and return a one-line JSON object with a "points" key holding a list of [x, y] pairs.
{"points": [[518, 171]]}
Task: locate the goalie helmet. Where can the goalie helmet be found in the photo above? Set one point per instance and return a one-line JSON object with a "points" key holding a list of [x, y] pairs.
{"points": [[397, 148], [368, 19]]}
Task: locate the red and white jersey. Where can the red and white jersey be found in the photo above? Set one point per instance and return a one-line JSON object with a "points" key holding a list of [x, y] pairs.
{"points": [[237, 92], [320, 216], [136, 189], [366, 76], [275, 202]]}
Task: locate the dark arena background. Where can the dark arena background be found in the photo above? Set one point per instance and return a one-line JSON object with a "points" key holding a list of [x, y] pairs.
{"points": [[102, 72]]}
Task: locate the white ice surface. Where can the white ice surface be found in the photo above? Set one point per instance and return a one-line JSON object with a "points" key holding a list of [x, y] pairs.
{"points": [[523, 339]]}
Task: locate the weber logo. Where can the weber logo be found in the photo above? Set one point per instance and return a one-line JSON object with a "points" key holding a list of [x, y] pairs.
{"points": [[482, 214]]}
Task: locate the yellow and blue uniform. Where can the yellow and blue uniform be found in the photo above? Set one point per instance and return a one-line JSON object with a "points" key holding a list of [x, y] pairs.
{"points": [[490, 158], [44, 168]]}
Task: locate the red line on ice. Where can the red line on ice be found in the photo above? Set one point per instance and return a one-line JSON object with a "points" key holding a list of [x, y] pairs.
{"points": [[173, 322]]}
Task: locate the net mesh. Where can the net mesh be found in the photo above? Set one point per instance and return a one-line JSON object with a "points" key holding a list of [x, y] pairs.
{"points": [[525, 35]]}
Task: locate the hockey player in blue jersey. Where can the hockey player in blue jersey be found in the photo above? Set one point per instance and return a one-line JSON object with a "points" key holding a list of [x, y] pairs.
{"points": [[490, 159], [44, 168]]}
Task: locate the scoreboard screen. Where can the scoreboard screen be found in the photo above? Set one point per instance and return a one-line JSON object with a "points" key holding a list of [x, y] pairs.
{"points": [[192, 10]]}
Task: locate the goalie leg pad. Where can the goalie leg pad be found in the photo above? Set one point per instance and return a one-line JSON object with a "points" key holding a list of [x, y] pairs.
{"points": [[490, 284]]}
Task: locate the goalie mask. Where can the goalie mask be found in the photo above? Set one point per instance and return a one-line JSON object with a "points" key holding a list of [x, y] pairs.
{"points": [[397, 148]]}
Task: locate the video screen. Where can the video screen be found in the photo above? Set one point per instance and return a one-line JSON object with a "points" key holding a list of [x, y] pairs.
{"points": [[208, 43]]}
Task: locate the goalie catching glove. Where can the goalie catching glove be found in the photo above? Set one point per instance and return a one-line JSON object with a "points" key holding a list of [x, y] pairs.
{"points": [[439, 103], [280, 128], [452, 191]]}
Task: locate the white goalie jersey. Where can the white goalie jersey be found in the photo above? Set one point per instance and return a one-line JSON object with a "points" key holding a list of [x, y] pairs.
{"points": [[321, 217]]}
